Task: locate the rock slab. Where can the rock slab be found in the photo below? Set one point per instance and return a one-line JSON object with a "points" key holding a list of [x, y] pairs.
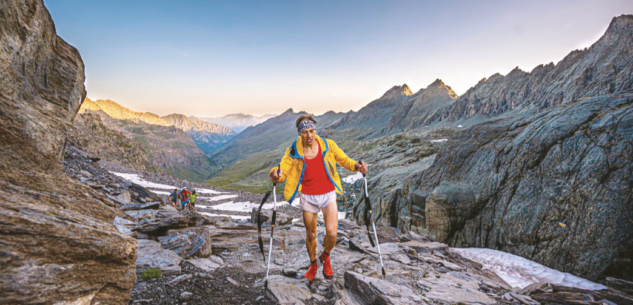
{"points": [[152, 255]]}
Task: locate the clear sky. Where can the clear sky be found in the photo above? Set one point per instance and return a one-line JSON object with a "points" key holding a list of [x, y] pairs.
{"points": [[211, 58]]}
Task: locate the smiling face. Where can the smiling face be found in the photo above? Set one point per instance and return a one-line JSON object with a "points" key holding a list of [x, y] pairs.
{"points": [[308, 136]]}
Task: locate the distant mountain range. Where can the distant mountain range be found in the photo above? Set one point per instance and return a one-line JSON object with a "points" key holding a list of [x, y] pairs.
{"points": [[208, 136], [239, 121], [173, 144]]}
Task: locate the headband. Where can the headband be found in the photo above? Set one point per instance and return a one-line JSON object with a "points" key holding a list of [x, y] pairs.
{"points": [[307, 124]]}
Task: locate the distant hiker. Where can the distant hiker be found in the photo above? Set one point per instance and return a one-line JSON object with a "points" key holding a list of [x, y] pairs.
{"points": [[173, 198], [309, 167], [193, 200], [185, 196]]}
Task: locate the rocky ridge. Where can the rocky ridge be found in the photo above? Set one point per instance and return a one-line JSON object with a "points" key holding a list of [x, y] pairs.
{"points": [[602, 69], [208, 136], [421, 106], [168, 148], [374, 116]]}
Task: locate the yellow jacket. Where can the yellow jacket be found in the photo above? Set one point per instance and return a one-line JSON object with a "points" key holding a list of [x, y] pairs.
{"points": [[293, 166]]}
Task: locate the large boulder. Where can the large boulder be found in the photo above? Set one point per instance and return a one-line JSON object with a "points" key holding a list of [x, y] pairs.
{"points": [[152, 255], [59, 243], [165, 220], [190, 242]]}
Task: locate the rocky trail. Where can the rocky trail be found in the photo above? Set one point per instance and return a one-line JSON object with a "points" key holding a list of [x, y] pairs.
{"points": [[211, 256]]}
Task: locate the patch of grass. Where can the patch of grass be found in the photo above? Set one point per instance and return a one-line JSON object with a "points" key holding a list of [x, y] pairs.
{"points": [[151, 273]]}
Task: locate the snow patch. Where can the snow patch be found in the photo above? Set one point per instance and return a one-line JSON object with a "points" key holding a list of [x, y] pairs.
{"points": [[134, 178], [439, 140], [520, 272], [353, 178], [240, 217], [160, 192], [216, 198], [205, 191], [341, 215]]}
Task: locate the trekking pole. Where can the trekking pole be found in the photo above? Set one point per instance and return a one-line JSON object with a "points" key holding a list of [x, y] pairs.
{"points": [[272, 230], [370, 219]]}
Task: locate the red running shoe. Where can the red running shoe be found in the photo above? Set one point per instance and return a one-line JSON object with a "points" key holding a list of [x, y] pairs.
{"points": [[328, 272], [311, 273]]}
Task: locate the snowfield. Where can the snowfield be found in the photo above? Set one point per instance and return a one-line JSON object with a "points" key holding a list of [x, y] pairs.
{"points": [[520, 272], [134, 178]]}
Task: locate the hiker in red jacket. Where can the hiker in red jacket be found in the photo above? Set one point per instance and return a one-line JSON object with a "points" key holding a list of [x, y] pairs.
{"points": [[184, 196]]}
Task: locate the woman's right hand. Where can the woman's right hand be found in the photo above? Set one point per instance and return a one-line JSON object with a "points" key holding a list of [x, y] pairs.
{"points": [[274, 177]]}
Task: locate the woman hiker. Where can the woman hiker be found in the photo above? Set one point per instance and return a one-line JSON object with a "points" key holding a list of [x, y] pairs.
{"points": [[309, 167]]}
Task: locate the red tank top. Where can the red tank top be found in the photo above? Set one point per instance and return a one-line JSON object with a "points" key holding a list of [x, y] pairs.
{"points": [[315, 180]]}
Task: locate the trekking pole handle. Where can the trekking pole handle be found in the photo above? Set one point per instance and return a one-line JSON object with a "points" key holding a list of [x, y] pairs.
{"points": [[278, 169], [360, 162]]}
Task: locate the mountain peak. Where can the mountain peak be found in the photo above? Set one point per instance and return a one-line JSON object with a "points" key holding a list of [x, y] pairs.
{"points": [[398, 91], [437, 83], [620, 24], [405, 90]]}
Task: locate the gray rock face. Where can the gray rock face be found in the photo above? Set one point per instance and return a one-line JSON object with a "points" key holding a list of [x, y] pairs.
{"points": [[287, 293], [140, 206], [190, 242], [506, 185], [123, 225], [59, 245], [152, 255], [376, 291]]}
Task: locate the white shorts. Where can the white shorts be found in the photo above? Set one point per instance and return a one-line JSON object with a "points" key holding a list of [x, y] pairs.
{"points": [[315, 203]]}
